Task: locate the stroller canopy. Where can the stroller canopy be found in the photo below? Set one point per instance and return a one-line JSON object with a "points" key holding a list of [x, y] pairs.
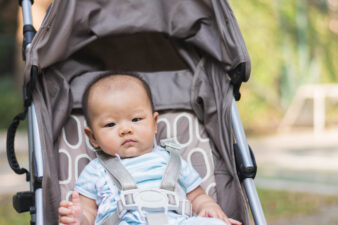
{"points": [[208, 25]]}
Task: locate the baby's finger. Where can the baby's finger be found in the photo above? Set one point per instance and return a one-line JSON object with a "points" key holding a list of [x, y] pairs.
{"points": [[226, 219], [216, 214], [64, 211], [223, 216], [207, 213], [75, 198], [202, 213], [66, 219], [65, 203], [236, 222]]}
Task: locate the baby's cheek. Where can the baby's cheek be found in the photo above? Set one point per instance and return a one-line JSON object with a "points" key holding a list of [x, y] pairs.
{"points": [[110, 145], [148, 135]]}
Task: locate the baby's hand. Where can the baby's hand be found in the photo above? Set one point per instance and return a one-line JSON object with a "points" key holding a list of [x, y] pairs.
{"points": [[70, 212], [213, 210]]}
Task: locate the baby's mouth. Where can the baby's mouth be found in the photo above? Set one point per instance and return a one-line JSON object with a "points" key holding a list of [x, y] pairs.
{"points": [[128, 141]]}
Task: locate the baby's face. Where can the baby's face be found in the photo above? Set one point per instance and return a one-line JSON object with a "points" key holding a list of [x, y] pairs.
{"points": [[122, 121]]}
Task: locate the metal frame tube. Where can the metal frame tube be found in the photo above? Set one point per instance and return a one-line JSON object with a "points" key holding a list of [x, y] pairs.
{"points": [[249, 185], [240, 135], [37, 144], [31, 147], [27, 12], [36, 160], [254, 202], [35, 151], [31, 156], [28, 28]]}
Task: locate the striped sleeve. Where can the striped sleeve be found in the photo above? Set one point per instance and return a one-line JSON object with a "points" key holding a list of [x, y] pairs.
{"points": [[189, 179], [86, 182]]}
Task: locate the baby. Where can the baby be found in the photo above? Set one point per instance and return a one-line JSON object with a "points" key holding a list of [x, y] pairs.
{"points": [[122, 123]]}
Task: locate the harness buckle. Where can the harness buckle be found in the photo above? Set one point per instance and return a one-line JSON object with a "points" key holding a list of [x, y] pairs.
{"points": [[147, 201]]}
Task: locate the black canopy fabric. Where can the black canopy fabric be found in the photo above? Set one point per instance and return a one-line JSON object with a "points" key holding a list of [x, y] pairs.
{"points": [[183, 49]]}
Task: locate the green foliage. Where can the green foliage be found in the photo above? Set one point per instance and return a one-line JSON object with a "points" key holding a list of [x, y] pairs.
{"points": [[290, 44], [285, 204], [7, 53], [8, 215], [10, 101], [8, 19]]}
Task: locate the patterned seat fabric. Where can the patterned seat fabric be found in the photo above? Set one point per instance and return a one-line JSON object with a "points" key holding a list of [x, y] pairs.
{"points": [[75, 150]]}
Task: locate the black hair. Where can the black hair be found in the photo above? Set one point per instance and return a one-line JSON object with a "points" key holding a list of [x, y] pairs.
{"points": [[98, 78]]}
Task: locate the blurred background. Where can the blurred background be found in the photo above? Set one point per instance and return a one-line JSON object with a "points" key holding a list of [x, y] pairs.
{"points": [[289, 107]]}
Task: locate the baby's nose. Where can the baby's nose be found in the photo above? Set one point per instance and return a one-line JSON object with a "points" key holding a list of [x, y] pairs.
{"points": [[125, 129]]}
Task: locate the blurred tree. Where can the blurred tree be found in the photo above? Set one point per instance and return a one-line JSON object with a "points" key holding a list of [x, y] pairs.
{"points": [[7, 36], [39, 9], [301, 46], [290, 43]]}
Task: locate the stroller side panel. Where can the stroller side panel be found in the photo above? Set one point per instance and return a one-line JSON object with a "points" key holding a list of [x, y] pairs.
{"points": [[212, 99], [50, 185]]}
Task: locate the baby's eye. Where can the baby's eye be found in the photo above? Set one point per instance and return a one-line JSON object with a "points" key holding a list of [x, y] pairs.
{"points": [[136, 119], [109, 125]]}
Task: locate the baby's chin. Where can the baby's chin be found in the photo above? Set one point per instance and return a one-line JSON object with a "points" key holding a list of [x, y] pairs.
{"points": [[131, 153]]}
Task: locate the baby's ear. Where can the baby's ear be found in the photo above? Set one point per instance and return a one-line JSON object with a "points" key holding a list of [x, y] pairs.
{"points": [[91, 136], [155, 116]]}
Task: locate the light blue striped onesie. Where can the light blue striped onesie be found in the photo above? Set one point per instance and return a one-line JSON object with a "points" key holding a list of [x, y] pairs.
{"points": [[147, 170]]}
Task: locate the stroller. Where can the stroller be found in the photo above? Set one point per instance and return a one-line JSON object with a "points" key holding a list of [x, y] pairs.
{"points": [[192, 55]]}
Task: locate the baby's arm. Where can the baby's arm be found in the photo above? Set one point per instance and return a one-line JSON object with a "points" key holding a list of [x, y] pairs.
{"points": [[205, 206], [80, 211]]}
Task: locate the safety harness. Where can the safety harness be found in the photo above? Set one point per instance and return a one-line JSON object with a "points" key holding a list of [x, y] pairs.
{"points": [[152, 204]]}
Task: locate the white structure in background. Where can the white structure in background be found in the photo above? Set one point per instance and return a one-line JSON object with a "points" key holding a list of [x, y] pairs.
{"points": [[316, 92]]}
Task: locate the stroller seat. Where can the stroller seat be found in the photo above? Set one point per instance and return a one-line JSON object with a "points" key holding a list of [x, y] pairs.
{"points": [[75, 151]]}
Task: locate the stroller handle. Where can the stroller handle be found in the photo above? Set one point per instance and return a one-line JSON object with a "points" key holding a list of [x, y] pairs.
{"points": [[11, 131], [11, 156]]}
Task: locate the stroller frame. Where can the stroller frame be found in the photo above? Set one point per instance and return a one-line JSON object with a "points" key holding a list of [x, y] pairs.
{"points": [[36, 160], [245, 161]]}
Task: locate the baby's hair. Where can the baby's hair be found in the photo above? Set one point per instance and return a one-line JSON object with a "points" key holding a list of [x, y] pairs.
{"points": [[98, 78]]}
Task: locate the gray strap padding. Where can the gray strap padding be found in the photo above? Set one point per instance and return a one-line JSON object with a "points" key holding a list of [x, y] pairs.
{"points": [[170, 176], [120, 175], [157, 219], [113, 219], [185, 208]]}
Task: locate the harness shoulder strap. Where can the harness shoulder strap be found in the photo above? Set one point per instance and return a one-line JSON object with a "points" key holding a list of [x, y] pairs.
{"points": [[119, 174], [170, 176]]}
